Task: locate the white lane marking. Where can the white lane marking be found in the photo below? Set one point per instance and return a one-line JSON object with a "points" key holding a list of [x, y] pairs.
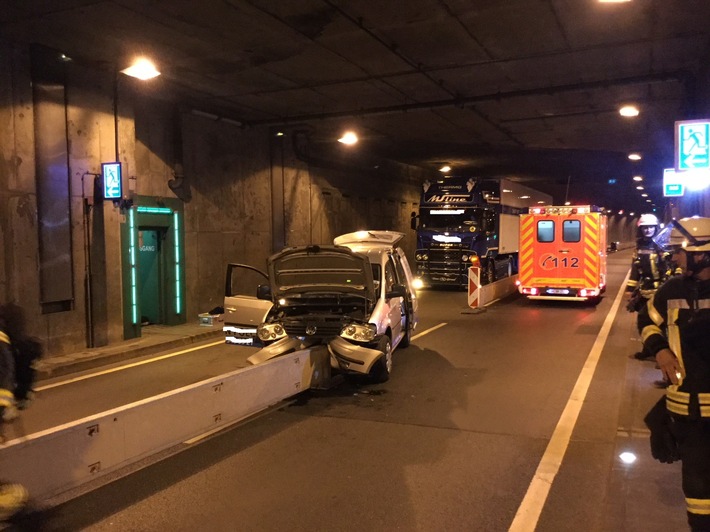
{"points": [[528, 514], [127, 366], [431, 329]]}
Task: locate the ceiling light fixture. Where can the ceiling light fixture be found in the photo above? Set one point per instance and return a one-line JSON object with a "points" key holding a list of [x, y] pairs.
{"points": [[142, 69], [635, 156], [629, 110], [640, 187], [445, 168], [638, 178], [613, 1], [349, 138]]}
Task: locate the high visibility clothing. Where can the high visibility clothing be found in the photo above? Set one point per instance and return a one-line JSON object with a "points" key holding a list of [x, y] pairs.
{"points": [[677, 317]]}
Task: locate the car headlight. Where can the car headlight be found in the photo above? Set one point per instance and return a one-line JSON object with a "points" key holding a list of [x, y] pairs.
{"points": [[270, 331], [464, 257], [359, 332]]}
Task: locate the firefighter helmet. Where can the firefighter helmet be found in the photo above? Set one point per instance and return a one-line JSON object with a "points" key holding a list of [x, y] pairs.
{"points": [[647, 227], [648, 219], [690, 234]]}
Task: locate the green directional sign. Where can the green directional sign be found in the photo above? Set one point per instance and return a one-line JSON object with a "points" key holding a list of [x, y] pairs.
{"points": [[673, 185], [692, 146], [113, 186]]}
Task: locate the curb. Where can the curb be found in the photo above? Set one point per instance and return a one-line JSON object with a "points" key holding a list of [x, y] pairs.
{"points": [[65, 365]]}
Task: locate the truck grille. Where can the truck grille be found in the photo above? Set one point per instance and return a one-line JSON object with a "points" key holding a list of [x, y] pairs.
{"points": [[444, 266]]}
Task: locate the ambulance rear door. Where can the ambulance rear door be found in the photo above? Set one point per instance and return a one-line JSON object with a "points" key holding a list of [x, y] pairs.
{"points": [[557, 257]]}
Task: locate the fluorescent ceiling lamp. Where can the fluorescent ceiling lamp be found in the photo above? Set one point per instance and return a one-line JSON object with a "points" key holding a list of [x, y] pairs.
{"points": [[629, 110], [142, 69], [445, 168], [638, 178], [644, 195], [348, 138], [640, 187], [635, 156]]}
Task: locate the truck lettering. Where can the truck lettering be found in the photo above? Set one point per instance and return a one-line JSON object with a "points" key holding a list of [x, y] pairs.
{"points": [[448, 198]]}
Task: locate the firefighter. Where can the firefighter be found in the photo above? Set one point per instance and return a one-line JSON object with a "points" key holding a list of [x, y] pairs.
{"points": [[675, 327], [649, 268], [13, 497]]}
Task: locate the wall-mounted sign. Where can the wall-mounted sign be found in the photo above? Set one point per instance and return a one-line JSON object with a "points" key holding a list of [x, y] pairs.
{"points": [[113, 186], [692, 144], [673, 183]]}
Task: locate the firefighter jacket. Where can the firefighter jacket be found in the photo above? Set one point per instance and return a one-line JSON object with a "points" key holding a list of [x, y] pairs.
{"points": [[7, 372], [678, 317], [649, 268]]}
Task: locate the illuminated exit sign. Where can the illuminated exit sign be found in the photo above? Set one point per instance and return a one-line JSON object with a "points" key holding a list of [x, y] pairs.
{"points": [[113, 187], [692, 145]]}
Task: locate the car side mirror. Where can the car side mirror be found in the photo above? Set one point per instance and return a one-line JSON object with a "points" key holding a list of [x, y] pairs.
{"points": [[263, 291], [398, 290]]}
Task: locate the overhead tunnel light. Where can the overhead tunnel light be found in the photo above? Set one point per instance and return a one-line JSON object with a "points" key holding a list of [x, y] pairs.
{"points": [[142, 69], [629, 111], [349, 138], [634, 156]]}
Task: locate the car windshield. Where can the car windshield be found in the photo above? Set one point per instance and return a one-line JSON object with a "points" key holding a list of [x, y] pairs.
{"points": [[450, 218], [299, 271]]}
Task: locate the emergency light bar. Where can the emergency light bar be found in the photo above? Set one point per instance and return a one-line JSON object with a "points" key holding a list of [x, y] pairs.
{"points": [[578, 209]]}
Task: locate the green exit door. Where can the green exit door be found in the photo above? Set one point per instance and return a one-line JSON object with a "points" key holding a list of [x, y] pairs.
{"points": [[151, 274]]}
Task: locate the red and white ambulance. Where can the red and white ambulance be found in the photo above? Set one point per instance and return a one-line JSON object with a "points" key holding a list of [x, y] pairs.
{"points": [[562, 253]]}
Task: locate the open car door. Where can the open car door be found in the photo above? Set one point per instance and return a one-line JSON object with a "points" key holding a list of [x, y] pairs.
{"points": [[247, 302]]}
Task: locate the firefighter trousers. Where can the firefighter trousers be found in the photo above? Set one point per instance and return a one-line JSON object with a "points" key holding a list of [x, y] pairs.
{"points": [[694, 446]]}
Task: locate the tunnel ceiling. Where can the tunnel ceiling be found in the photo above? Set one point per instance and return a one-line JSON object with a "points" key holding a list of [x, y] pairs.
{"points": [[524, 88]]}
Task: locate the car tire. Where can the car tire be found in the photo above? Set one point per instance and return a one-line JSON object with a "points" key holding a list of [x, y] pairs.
{"points": [[381, 370], [489, 274]]}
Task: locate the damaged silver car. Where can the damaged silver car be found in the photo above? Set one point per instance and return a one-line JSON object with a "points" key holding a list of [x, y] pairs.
{"points": [[334, 296]]}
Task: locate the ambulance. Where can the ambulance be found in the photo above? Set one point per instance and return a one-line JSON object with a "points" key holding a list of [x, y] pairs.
{"points": [[563, 253]]}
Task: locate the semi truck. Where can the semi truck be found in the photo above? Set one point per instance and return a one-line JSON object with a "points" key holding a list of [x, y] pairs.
{"points": [[563, 253], [466, 221]]}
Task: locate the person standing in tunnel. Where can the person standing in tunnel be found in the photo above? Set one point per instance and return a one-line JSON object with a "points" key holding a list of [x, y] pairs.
{"points": [[675, 328], [13, 497], [649, 268]]}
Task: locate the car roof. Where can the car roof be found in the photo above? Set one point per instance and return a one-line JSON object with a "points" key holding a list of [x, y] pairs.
{"points": [[369, 239]]}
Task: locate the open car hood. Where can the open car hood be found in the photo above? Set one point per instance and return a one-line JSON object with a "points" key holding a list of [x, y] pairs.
{"points": [[304, 270]]}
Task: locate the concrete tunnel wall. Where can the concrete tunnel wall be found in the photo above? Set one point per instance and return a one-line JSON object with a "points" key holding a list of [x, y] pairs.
{"points": [[245, 195]]}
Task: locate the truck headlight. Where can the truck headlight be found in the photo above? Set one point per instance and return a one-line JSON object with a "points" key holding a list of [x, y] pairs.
{"points": [[270, 331], [359, 332]]}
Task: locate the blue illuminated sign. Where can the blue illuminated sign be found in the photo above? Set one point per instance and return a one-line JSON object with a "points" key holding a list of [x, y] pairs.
{"points": [[113, 187], [673, 185], [692, 146]]}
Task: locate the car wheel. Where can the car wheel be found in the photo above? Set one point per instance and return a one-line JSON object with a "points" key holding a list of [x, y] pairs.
{"points": [[489, 274], [383, 367]]}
